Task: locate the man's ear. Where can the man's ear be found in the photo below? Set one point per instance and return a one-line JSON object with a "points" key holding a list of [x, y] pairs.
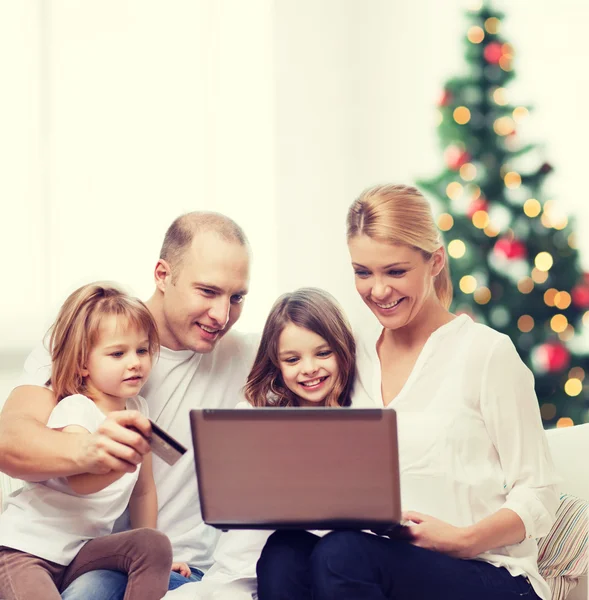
{"points": [[162, 274], [438, 261]]}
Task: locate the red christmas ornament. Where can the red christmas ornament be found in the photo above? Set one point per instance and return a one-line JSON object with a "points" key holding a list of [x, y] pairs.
{"points": [[510, 249], [493, 52], [456, 157], [445, 98], [553, 357], [476, 205], [580, 295]]}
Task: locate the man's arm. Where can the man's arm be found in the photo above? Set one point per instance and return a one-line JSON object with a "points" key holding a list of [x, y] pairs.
{"points": [[31, 451]]}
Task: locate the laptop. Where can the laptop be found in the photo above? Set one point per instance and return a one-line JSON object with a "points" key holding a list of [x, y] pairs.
{"points": [[304, 468]]}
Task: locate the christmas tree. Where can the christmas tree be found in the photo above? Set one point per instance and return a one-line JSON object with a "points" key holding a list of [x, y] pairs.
{"points": [[511, 249]]}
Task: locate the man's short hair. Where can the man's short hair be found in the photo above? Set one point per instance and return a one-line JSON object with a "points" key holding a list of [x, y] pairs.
{"points": [[181, 232]]}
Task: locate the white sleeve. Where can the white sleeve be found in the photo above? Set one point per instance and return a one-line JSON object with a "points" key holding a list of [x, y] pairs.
{"points": [[76, 410], [37, 368], [512, 417]]}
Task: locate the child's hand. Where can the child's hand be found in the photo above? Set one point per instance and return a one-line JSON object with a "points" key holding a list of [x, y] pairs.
{"points": [[182, 568]]}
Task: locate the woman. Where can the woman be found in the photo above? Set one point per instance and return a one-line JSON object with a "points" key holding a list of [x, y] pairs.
{"points": [[476, 474]]}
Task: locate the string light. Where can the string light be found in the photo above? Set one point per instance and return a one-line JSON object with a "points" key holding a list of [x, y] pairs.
{"points": [[558, 323], [468, 171], [468, 284], [454, 190], [520, 113], [573, 387], [461, 115], [480, 219], [543, 261], [539, 276], [456, 248], [492, 25], [532, 208], [445, 222], [504, 126], [512, 180], [500, 96], [491, 230], [572, 241], [562, 300], [549, 296], [525, 285], [505, 63], [525, 323], [565, 422], [577, 373], [475, 34], [482, 295]]}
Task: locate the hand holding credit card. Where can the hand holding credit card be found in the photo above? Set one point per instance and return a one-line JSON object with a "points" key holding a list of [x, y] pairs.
{"points": [[164, 445]]}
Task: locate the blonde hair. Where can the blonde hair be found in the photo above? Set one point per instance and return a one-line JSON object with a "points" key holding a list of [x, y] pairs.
{"points": [[77, 327], [316, 310], [399, 214]]}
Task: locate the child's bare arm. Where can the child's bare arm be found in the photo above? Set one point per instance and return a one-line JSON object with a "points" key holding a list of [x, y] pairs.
{"points": [[143, 502]]}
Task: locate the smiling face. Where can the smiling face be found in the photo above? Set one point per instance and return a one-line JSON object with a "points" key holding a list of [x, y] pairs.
{"points": [[308, 365], [395, 281], [204, 297], [119, 362]]}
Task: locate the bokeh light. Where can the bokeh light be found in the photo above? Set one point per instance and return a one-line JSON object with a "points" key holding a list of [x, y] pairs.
{"points": [[461, 115], [456, 248], [573, 387], [468, 284], [543, 261], [482, 295], [525, 323], [532, 208], [475, 34], [445, 222], [525, 285], [558, 323]]}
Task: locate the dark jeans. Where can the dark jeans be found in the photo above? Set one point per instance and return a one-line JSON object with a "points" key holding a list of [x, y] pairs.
{"points": [[349, 565]]}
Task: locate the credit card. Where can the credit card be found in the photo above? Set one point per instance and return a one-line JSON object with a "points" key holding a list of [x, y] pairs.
{"points": [[164, 445]]}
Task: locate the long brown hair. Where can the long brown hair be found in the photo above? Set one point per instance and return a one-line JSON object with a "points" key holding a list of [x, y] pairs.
{"points": [[77, 326], [399, 214], [316, 310]]}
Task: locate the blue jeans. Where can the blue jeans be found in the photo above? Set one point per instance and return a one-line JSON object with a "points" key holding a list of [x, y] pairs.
{"points": [[347, 565], [110, 585]]}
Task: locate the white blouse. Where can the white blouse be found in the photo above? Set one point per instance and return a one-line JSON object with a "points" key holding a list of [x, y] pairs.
{"points": [[470, 436]]}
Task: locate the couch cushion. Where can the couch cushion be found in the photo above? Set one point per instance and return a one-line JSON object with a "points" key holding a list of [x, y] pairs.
{"points": [[563, 554]]}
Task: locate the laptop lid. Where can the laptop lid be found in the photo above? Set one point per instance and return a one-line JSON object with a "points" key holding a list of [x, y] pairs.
{"points": [[310, 468]]}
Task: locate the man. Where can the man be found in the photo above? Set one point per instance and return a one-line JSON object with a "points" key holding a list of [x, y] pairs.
{"points": [[201, 280]]}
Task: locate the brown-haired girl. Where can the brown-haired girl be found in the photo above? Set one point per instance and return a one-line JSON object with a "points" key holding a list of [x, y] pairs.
{"points": [[53, 531], [307, 354]]}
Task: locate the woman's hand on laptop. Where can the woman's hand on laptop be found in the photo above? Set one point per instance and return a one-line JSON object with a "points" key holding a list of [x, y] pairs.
{"points": [[182, 568], [428, 532]]}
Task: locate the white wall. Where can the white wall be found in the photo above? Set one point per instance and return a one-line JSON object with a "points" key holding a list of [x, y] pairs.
{"points": [[119, 115]]}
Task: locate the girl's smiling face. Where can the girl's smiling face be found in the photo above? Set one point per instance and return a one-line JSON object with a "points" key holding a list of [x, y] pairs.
{"points": [[308, 365]]}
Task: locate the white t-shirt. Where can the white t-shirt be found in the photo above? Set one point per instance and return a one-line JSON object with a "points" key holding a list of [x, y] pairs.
{"points": [[180, 381], [50, 520], [470, 436]]}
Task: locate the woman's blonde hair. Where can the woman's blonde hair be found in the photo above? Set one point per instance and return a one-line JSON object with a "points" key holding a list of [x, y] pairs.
{"points": [[77, 327], [316, 310], [399, 214]]}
